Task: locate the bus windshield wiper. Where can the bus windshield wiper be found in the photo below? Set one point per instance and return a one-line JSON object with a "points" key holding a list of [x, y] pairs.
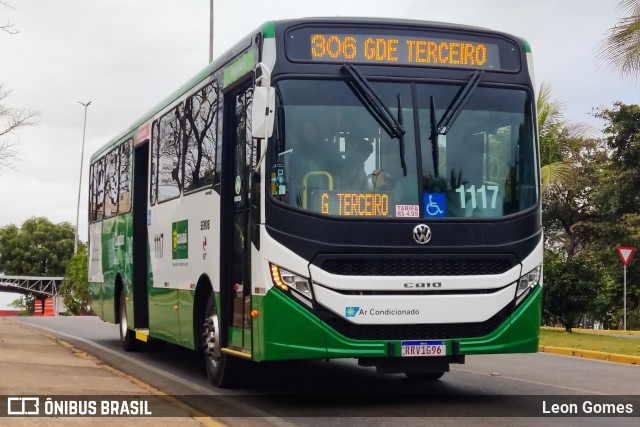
{"points": [[434, 138], [459, 101], [403, 163], [374, 105], [450, 115]]}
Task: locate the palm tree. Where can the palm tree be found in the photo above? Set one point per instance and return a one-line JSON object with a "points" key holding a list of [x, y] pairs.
{"points": [[620, 50], [556, 136], [551, 133]]}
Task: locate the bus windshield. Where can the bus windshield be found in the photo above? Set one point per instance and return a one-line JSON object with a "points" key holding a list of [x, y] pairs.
{"points": [[332, 157]]}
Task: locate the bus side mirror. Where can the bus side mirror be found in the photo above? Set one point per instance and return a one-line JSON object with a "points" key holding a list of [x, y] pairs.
{"points": [[263, 112]]}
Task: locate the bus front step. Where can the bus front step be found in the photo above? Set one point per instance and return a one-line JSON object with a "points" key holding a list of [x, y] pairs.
{"points": [[142, 335]]}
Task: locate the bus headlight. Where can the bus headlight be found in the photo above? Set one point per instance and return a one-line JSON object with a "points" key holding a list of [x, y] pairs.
{"points": [[286, 280], [527, 282]]}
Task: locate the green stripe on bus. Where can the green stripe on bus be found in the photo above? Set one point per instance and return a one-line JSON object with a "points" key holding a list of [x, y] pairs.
{"points": [[518, 334], [269, 30], [239, 68]]}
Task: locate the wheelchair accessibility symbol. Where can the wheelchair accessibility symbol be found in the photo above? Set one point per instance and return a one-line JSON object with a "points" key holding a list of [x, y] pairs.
{"points": [[435, 205]]}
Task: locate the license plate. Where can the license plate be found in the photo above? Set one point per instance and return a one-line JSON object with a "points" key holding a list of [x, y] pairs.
{"points": [[424, 348]]}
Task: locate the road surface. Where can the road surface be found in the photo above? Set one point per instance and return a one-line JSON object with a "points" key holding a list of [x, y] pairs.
{"points": [[487, 390]]}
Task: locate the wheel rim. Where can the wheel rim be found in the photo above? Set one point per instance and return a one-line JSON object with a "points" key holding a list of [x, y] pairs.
{"points": [[123, 320], [212, 340]]}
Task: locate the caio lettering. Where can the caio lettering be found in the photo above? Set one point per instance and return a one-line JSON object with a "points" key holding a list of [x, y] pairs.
{"points": [[423, 285]]}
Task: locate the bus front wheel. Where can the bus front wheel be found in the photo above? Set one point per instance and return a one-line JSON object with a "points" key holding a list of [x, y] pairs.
{"points": [[127, 336], [219, 366]]}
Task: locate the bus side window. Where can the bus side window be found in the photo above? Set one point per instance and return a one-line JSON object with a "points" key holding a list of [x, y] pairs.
{"points": [[124, 190], [201, 120], [98, 212], [170, 155], [155, 142], [111, 184], [91, 194]]}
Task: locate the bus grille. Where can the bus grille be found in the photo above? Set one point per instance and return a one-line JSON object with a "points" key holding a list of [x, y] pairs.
{"points": [[416, 332], [416, 266]]}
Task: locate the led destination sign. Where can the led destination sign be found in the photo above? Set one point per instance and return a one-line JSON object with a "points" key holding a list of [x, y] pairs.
{"points": [[352, 204], [404, 50], [404, 46]]}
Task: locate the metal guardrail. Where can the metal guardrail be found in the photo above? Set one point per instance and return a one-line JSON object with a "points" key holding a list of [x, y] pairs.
{"points": [[48, 286]]}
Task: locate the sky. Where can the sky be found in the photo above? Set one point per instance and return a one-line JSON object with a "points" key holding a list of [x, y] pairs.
{"points": [[126, 55]]}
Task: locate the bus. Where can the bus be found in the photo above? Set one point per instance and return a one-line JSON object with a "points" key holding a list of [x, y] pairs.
{"points": [[329, 188]]}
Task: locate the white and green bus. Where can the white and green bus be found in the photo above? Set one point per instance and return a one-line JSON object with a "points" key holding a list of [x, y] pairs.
{"points": [[330, 188]]}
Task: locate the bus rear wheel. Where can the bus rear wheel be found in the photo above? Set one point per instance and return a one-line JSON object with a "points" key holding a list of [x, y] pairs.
{"points": [[127, 336], [424, 376], [219, 366]]}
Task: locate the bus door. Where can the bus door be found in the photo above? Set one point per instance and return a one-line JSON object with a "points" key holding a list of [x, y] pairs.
{"points": [[139, 232], [235, 293]]}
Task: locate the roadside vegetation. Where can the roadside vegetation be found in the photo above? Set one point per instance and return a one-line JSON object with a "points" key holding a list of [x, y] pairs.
{"points": [[37, 248], [590, 199], [587, 212], [591, 341]]}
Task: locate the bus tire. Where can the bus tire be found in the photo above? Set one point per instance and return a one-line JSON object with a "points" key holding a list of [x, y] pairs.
{"points": [[219, 365], [424, 376], [127, 336]]}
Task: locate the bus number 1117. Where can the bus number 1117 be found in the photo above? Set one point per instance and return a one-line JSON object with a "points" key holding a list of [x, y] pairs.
{"points": [[478, 196]]}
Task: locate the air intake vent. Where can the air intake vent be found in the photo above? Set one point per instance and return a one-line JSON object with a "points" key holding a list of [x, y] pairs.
{"points": [[416, 266]]}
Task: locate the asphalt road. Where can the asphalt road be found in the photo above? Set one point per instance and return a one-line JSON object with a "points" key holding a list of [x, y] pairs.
{"points": [[501, 390]]}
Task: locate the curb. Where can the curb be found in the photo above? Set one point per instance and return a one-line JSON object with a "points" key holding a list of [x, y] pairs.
{"points": [[591, 354]]}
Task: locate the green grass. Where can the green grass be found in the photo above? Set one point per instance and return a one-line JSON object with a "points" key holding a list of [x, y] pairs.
{"points": [[588, 341]]}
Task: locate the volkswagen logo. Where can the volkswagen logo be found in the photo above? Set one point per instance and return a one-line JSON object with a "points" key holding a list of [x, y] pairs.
{"points": [[422, 234]]}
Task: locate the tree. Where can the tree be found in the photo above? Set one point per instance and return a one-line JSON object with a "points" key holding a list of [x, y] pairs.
{"points": [[8, 27], [11, 120], [586, 216], [570, 289], [76, 285], [618, 202], [569, 210], [26, 304], [620, 50], [38, 248], [554, 133]]}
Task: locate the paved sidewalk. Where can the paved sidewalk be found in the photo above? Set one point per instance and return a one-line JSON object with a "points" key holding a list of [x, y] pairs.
{"points": [[35, 363]]}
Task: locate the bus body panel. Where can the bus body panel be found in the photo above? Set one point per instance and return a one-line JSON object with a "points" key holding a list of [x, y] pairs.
{"points": [[111, 242], [163, 315], [95, 276], [183, 240], [403, 309], [290, 332]]}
